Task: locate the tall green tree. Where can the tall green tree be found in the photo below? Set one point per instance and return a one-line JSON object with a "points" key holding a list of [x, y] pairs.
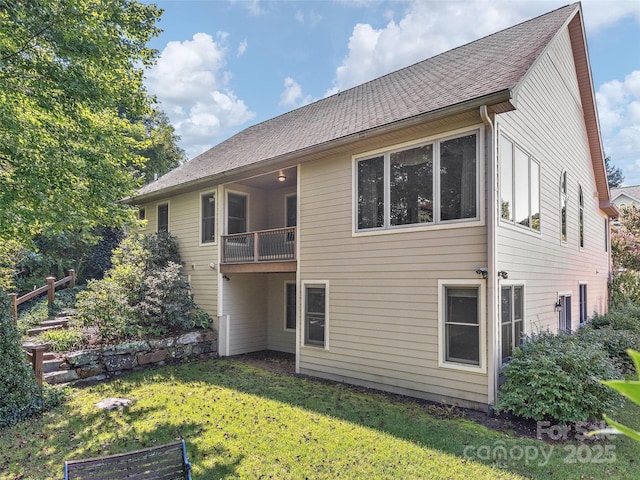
{"points": [[614, 174], [162, 152], [71, 78]]}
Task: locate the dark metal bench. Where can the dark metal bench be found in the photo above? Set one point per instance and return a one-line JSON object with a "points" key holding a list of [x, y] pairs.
{"points": [[164, 462]]}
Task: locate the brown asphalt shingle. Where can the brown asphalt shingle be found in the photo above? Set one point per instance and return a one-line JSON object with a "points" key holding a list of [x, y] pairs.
{"points": [[492, 64]]}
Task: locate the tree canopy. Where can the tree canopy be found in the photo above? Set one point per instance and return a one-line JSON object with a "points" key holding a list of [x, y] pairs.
{"points": [[161, 151], [615, 176], [71, 103]]}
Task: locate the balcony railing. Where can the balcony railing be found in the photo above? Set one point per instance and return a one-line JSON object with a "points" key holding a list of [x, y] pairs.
{"points": [[278, 245]]}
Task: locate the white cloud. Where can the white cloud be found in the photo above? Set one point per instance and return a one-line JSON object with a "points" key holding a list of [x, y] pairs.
{"points": [[242, 48], [619, 113], [192, 86], [292, 94], [426, 29], [602, 13]]}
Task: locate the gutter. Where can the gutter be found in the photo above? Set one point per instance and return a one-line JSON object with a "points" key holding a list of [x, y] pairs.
{"points": [[293, 158], [492, 266]]}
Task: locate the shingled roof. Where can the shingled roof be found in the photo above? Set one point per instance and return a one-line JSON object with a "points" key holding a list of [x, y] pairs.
{"points": [[478, 70]]}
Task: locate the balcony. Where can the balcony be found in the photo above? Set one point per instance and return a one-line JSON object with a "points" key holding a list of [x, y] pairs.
{"points": [[260, 251]]}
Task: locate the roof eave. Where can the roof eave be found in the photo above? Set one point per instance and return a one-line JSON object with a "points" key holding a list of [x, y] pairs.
{"points": [[501, 100]]}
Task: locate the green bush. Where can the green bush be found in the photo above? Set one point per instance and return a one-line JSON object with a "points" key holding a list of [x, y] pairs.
{"points": [[63, 340], [624, 316], [625, 287], [615, 344], [557, 378], [144, 293], [20, 395], [105, 306]]}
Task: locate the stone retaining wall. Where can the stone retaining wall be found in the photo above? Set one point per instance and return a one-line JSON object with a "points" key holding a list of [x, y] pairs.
{"points": [[102, 363]]}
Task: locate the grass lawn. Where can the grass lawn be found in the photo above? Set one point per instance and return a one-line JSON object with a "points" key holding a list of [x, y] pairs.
{"points": [[243, 422]]}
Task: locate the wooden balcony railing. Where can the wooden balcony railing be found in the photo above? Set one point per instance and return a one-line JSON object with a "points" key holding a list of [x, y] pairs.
{"points": [[278, 245]]}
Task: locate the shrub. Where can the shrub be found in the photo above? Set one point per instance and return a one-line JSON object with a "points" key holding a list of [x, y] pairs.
{"points": [[557, 378], [144, 293], [63, 340], [105, 306], [625, 316], [614, 342], [20, 395], [625, 287]]}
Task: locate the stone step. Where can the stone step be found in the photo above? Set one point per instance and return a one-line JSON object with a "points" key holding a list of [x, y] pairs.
{"points": [[49, 356], [39, 330], [51, 365], [61, 376], [58, 322]]}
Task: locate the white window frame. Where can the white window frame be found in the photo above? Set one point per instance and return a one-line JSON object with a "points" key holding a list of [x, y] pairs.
{"points": [[303, 308], [525, 326], [482, 325], [564, 295], [215, 217], [583, 316], [158, 205], [436, 224], [564, 199], [580, 217], [286, 298], [531, 161]]}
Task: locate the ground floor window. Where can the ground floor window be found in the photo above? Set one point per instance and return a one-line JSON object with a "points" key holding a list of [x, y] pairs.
{"points": [[315, 314], [461, 332], [511, 318], [583, 303], [290, 306], [564, 313]]}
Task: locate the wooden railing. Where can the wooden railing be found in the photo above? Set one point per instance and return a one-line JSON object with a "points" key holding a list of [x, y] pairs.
{"points": [[50, 288], [277, 245]]}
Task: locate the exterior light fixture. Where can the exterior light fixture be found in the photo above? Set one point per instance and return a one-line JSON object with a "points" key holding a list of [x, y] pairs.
{"points": [[281, 177], [558, 306], [504, 275], [483, 272]]}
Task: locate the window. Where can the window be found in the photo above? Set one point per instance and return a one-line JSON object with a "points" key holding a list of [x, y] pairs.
{"points": [[519, 186], [564, 314], [236, 213], [208, 212], [583, 303], [291, 210], [461, 328], [511, 318], [563, 207], [315, 314], [163, 217], [290, 306], [580, 217], [426, 184], [142, 213]]}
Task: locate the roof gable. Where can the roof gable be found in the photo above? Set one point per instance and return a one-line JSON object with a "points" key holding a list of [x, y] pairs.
{"points": [[488, 68]]}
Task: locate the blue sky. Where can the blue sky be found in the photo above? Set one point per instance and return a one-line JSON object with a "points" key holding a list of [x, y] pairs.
{"points": [[228, 64]]}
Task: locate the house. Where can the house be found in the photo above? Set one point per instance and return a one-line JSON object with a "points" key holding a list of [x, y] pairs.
{"points": [[405, 233], [626, 196]]}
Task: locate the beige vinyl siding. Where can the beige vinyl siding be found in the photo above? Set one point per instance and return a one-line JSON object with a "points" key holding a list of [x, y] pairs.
{"points": [[184, 223], [383, 290], [549, 124], [279, 339], [246, 304]]}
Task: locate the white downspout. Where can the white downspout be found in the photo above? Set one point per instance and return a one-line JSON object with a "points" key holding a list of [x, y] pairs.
{"points": [[493, 329]]}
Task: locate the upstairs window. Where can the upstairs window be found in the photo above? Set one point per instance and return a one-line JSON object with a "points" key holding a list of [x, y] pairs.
{"points": [[431, 183], [563, 207], [142, 213], [163, 217], [580, 217], [208, 211], [519, 186]]}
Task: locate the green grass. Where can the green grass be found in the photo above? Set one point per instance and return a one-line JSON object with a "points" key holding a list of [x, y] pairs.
{"points": [[243, 422]]}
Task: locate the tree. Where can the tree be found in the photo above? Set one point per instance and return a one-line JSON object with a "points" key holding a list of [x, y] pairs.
{"points": [[71, 78], [162, 152], [614, 174]]}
